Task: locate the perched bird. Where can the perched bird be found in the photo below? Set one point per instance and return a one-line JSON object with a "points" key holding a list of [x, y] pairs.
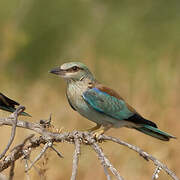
{"points": [[8, 104], [101, 104]]}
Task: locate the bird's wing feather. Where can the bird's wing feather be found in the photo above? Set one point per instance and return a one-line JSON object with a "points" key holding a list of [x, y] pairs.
{"points": [[8, 104], [107, 101], [4, 100], [113, 93]]}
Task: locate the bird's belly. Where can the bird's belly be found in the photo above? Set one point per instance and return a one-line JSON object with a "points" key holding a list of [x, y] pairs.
{"points": [[94, 116]]}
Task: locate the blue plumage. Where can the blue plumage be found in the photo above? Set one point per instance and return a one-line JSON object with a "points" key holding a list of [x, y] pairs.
{"points": [[109, 105]]}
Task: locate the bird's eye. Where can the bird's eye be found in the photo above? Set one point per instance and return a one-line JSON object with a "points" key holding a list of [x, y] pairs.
{"points": [[75, 68]]}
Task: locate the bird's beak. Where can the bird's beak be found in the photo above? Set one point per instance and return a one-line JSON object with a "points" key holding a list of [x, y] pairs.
{"points": [[58, 71]]}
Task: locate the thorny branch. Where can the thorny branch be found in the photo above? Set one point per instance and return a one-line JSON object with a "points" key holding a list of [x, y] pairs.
{"points": [[11, 173], [44, 149], [104, 161], [14, 117], [156, 173], [48, 138], [77, 152], [142, 153]]}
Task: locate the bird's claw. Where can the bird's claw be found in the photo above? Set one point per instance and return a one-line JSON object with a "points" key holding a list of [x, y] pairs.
{"points": [[98, 133], [93, 128]]}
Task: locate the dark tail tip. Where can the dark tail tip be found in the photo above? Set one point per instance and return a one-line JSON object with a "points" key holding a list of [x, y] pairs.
{"points": [[138, 119]]}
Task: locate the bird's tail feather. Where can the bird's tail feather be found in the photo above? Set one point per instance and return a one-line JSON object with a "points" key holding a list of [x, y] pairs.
{"points": [[154, 132], [11, 109]]}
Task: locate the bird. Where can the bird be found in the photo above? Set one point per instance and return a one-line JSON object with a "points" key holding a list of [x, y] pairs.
{"points": [[9, 105], [101, 104]]}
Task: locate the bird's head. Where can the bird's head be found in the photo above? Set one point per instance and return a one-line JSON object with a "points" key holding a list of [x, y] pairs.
{"points": [[75, 71]]}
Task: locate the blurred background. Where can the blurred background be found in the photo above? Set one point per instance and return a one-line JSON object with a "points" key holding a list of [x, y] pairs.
{"points": [[132, 46]]}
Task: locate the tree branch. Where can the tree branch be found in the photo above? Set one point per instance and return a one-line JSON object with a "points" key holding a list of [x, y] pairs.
{"points": [[47, 138], [11, 173], [105, 162], [77, 152], [14, 117], [44, 149], [156, 173], [142, 153]]}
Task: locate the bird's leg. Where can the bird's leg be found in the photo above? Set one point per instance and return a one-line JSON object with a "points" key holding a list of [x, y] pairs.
{"points": [[101, 131], [94, 128]]}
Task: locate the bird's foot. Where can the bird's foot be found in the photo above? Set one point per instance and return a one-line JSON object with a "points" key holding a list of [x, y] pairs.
{"points": [[53, 129], [98, 133], [94, 128], [58, 130], [101, 131]]}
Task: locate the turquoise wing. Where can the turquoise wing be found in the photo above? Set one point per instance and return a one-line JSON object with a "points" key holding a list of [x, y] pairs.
{"points": [[107, 104]]}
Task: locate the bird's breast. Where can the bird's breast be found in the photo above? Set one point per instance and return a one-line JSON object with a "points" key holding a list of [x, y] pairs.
{"points": [[74, 94]]}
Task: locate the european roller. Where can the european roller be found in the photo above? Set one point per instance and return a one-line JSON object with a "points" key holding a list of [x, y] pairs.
{"points": [[9, 105], [101, 104]]}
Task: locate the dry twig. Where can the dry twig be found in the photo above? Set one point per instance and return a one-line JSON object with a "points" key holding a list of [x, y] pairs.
{"points": [[77, 152], [26, 167], [11, 172], [156, 173], [13, 117], [57, 152], [47, 138], [142, 153], [105, 162], [44, 149]]}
